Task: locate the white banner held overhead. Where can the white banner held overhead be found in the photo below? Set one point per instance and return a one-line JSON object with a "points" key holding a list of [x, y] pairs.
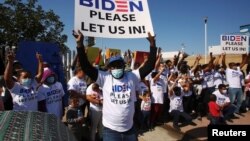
{"points": [[234, 44], [113, 18]]}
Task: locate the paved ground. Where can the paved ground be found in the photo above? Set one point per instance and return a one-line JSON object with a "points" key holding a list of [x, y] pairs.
{"points": [[197, 133]]}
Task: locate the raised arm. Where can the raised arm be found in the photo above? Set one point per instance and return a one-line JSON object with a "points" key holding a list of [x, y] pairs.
{"points": [[216, 61], [210, 63], [8, 71], [223, 60], [196, 63], [158, 61], [39, 75], [149, 65], [98, 58], [158, 74], [171, 89], [176, 59], [244, 60], [91, 71]]}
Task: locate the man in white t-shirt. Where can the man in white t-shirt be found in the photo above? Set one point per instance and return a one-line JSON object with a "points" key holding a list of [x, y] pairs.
{"points": [[119, 90], [23, 91], [223, 101], [77, 87], [50, 94], [234, 77]]}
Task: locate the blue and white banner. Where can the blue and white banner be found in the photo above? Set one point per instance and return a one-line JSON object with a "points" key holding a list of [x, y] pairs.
{"points": [[113, 18]]}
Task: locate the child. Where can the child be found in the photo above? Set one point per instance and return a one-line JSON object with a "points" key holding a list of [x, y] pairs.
{"points": [[74, 118], [94, 96], [145, 109], [214, 111]]}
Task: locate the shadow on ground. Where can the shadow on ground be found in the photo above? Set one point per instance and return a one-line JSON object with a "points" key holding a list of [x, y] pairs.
{"points": [[195, 134]]}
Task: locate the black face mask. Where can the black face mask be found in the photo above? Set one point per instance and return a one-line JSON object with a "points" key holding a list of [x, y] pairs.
{"points": [[50, 80], [177, 91]]}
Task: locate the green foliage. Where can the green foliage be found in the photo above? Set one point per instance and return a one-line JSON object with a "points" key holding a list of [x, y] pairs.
{"points": [[28, 21]]}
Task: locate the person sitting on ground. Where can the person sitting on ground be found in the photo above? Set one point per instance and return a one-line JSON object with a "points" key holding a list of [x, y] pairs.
{"points": [[176, 107], [223, 101], [214, 111]]}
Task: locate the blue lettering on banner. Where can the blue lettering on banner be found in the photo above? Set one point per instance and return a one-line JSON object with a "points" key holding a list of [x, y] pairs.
{"points": [[114, 5]]}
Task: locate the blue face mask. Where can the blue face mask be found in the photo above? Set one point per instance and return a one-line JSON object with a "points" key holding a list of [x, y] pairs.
{"points": [[117, 73], [50, 80], [26, 82]]}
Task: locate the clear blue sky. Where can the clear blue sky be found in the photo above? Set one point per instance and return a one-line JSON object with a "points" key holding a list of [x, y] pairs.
{"points": [[174, 21]]}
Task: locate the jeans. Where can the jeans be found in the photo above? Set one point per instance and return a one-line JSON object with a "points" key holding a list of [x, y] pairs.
{"points": [[145, 122], [96, 123], [236, 93], [111, 135], [156, 109], [176, 114], [228, 111]]}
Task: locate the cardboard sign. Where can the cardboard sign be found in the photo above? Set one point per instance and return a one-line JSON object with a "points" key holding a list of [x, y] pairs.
{"points": [[112, 52], [92, 53], [113, 18], [140, 56], [234, 44]]}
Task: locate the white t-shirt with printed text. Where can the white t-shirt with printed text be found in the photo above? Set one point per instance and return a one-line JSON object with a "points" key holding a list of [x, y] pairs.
{"points": [[78, 85], [176, 103], [221, 99], [119, 96], [24, 98], [233, 78], [158, 89], [53, 95], [146, 105], [208, 81], [98, 95]]}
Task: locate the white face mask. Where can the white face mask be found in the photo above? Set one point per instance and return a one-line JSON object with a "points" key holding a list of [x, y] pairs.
{"points": [[26, 82], [117, 73], [224, 91]]}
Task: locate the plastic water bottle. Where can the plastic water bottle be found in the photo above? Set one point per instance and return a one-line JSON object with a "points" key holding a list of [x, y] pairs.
{"points": [[79, 114]]}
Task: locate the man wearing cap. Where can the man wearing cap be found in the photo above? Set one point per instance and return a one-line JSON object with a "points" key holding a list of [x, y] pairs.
{"points": [[119, 90]]}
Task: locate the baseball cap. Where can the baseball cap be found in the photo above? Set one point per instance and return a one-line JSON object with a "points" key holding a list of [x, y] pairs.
{"points": [[112, 61]]}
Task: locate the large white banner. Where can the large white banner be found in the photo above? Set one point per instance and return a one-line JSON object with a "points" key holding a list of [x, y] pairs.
{"points": [[234, 44], [113, 18]]}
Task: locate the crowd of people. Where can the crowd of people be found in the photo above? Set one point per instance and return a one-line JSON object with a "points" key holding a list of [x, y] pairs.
{"points": [[124, 98]]}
